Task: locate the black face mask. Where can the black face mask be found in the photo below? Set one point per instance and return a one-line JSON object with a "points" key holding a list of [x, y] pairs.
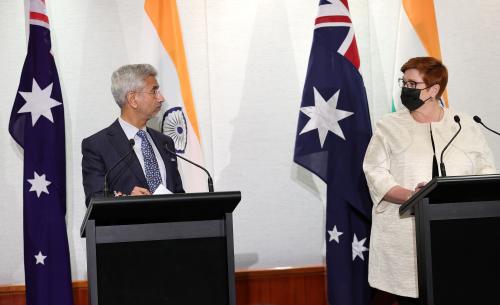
{"points": [[411, 98]]}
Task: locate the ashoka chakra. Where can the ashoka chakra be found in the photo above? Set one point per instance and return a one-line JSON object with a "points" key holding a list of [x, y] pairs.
{"points": [[175, 126]]}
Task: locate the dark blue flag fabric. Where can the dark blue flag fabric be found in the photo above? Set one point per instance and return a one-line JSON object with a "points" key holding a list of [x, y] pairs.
{"points": [[333, 132], [37, 125]]}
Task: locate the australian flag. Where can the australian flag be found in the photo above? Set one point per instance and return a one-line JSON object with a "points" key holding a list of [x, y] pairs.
{"points": [[37, 125], [333, 132]]}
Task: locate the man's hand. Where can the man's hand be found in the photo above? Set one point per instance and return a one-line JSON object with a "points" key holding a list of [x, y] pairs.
{"points": [[139, 191]]}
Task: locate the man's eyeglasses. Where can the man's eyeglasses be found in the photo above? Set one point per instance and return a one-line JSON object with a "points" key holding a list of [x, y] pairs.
{"points": [[408, 84], [155, 92]]}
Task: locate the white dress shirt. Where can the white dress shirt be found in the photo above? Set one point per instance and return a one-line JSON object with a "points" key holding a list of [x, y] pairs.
{"points": [[131, 133]]}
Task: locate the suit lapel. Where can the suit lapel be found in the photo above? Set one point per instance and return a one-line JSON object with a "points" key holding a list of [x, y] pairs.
{"points": [[160, 145], [120, 142]]}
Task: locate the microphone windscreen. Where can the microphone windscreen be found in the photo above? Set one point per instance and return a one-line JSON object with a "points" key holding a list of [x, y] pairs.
{"points": [[456, 118], [477, 119], [131, 142]]}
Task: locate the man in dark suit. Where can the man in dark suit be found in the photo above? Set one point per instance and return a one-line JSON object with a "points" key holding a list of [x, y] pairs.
{"points": [[149, 166]]}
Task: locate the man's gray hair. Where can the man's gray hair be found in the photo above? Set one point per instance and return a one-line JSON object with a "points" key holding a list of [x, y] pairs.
{"points": [[129, 78]]}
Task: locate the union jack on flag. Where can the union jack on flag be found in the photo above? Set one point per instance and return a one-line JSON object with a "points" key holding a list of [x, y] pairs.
{"points": [[332, 135], [37, 125], [336, 14]]}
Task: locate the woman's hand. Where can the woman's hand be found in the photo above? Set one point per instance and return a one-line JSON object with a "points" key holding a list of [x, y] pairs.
{"points": [[420, 186], [398, 194]]}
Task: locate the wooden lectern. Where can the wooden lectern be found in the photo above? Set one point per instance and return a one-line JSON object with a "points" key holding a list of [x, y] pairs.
{"points": [[167, 249]]}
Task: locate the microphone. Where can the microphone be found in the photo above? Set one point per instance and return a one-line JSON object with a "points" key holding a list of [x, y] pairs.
{"points": [[131, 143], [210, 181], [478, 120], [441, 165]]}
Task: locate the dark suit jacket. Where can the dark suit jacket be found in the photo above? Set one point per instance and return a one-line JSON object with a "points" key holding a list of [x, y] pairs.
{"points": [[102, 150]]}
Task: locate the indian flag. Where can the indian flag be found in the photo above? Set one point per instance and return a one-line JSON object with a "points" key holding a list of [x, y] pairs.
{"points": [[417, 36], [163, 47]]}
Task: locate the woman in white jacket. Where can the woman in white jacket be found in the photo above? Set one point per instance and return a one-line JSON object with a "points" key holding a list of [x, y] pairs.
{"points": [[402, 156]]}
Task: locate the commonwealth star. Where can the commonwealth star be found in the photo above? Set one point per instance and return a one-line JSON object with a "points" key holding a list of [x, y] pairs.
{"points": [[324, 116], [38, 103]]}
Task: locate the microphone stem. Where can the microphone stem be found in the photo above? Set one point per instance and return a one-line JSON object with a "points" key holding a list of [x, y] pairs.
{"points": [[489, 129], [443, 169], [441, 165], [106, 186], [210, 181], [210, 185]]}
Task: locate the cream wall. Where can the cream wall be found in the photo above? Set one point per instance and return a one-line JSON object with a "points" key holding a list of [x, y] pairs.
{"points": [[247, 61]]}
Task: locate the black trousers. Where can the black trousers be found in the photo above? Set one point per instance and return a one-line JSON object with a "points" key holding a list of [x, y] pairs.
{"points": [[407, 300]]}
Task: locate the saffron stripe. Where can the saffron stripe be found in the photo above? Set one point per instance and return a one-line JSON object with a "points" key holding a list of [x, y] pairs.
{"points": [[165, 18], [422, 16]]}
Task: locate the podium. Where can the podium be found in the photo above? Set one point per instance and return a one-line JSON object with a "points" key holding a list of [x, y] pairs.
{"points": [[457, 227], [167, 249]]}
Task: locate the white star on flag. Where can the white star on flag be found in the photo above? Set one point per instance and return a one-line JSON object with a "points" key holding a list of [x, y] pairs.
{"points": [[40, 258], [38, 103], [39, 184], [324, 116], [358, 248], [334, 234]]}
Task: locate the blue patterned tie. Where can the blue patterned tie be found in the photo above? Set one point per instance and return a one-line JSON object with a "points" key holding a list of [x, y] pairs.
{"points": [[151, 168]]}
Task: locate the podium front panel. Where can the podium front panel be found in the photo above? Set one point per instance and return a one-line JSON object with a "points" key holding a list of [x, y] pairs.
{"points": [[175, 271], [457, 246], [465, 261]]}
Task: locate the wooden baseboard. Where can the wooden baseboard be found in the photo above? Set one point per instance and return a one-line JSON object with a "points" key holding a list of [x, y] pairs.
{"points": [[277, 286], [287, 286]]}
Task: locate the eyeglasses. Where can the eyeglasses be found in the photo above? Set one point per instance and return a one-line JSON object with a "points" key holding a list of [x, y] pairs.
{"points": [[408, 84], [155, 92]]}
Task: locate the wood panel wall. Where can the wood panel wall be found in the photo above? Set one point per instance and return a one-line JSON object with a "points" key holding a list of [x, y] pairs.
{"points": [[277, 286]]}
